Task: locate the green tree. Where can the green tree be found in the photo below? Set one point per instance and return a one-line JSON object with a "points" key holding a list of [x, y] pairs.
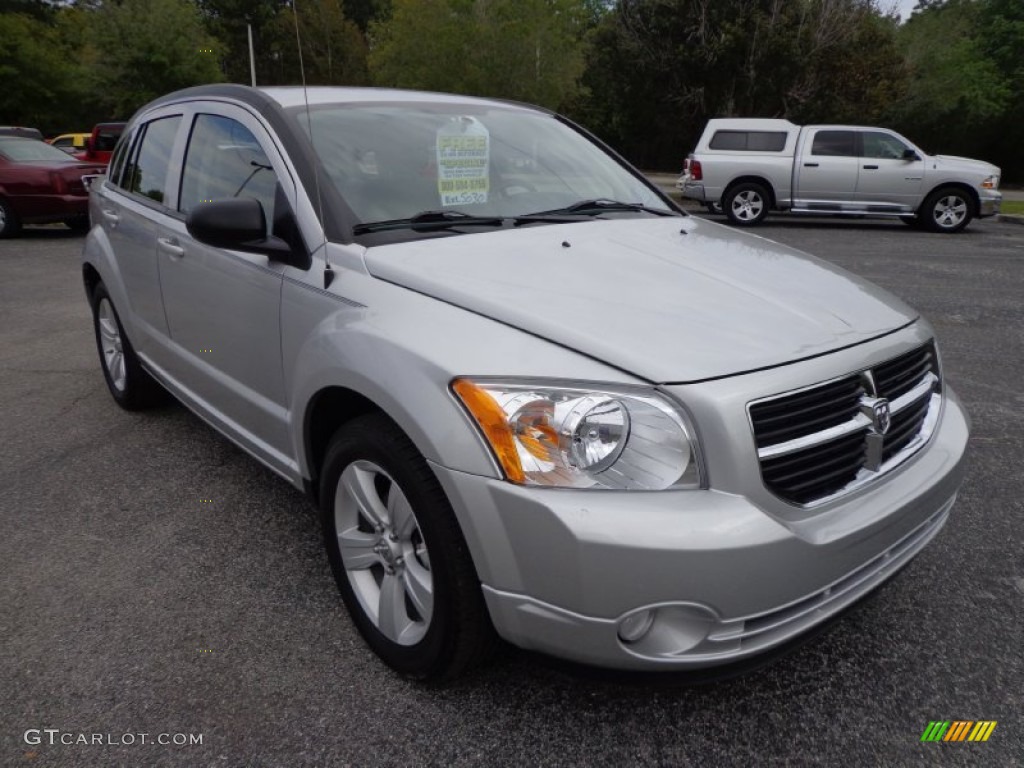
{"points": [[529, 50], [139, 49], [38, 70], [228, 21], [658, 69], [333, 48]]}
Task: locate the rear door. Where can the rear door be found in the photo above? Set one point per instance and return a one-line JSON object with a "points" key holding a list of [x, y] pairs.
{"points": [[887, 180], [827, 169], [223, 306], [129, 202]]}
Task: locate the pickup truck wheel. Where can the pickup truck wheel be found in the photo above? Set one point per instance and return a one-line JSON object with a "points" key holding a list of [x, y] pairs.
{"points": [[398, 555], [9, 224], [911, 221], [129, 384], [746, 204], [947, 210]]}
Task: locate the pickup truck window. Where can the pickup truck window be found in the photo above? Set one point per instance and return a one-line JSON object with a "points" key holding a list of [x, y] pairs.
{"points": [[835, 144], [882, 145], [147, 175], [749, 141]]}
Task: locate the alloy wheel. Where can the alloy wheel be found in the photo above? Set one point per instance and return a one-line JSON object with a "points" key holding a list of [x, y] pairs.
{"points": [[747, 205], [383, 552], [949, 211], [112, 345]]}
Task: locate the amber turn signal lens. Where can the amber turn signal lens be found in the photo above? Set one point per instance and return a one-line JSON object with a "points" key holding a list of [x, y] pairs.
{"points": [[495, 426]]}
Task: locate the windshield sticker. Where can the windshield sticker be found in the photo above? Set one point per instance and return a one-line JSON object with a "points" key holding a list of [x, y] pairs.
{"points": [[463, 159]]}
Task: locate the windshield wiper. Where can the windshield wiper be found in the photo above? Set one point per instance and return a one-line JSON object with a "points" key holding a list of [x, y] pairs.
{"points": [[426, 221], [602, 205]]}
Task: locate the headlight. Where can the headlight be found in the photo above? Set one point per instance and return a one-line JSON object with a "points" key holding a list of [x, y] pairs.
{"points": [[583, 438], [992, 182]]}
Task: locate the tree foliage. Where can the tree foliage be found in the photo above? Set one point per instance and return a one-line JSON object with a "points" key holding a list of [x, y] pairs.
{"points": [[530, 50], [643, 74], [137, 50]]}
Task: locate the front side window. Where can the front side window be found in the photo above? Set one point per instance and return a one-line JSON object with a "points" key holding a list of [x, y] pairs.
{"points": [[394, 161], [147, 173], [225, 160], [835, 144], [878, 144]]}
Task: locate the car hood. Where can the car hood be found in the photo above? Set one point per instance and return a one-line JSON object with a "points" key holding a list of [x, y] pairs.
{"points": [[952, 162], [669, 299]]}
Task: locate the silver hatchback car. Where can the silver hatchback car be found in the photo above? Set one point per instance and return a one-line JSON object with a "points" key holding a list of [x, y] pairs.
{"points": [[532, 399]]}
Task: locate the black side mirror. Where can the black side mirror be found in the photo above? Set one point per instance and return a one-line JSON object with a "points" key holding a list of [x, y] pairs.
{"points": [[241, 225], [909, 154]]}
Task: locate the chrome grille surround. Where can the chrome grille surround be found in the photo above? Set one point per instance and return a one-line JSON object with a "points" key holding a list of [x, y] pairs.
{"points": [[843, 434]]}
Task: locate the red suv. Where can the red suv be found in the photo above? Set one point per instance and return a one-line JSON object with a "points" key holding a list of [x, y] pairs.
{"points": [[100, 145]]}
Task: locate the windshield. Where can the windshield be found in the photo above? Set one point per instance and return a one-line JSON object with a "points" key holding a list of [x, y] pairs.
{"points": [[31, 150], [393, 162]]}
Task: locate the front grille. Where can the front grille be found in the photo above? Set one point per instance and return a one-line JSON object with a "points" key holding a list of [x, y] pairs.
{"points": [[830, 438]]}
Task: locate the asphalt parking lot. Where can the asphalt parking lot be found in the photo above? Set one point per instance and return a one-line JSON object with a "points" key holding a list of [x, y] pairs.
{"points": [[154, 579]]}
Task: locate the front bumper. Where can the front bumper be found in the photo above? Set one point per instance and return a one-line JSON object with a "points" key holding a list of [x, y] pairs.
{"points": [[725, 578], [989, 202]]}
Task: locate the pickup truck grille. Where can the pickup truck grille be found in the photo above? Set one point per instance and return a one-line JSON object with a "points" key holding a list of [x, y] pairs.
{"points": [[829, 439]]}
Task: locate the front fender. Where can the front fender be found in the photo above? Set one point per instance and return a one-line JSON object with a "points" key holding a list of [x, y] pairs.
{"points": [[401, 350]]}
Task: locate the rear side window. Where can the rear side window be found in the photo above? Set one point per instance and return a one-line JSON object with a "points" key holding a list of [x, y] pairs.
{"points": [[835, 144], [749, 141], [117, 161], [225, 160], [146, 174]]}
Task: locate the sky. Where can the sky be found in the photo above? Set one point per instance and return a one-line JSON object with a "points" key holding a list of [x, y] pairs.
{"points": [[904, 7]]}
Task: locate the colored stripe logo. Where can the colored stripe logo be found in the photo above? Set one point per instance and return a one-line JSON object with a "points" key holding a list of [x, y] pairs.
{"points": [[958, 730]]}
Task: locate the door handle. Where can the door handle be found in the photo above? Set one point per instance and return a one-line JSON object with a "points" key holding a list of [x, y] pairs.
{"points": [[810, 165], [169, 246], [870, 167], [110, 216]]}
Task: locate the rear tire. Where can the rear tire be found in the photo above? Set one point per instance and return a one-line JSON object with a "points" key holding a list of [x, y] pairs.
{"points": [[746, 204], [398, 555], [10, 225], [947, 210], [130, 385]]}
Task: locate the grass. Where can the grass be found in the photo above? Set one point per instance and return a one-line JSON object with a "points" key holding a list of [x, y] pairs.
{"points": [[1012, 206]]}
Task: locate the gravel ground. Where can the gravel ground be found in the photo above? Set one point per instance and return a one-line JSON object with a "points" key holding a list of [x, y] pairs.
{"points": [[130, 604]]}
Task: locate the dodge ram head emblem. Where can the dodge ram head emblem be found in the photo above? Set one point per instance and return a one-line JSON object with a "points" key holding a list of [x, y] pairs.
{"points": [[881, 418]]}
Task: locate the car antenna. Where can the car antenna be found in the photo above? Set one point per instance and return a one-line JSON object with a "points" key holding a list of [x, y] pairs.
{"points": [[328, 272]]}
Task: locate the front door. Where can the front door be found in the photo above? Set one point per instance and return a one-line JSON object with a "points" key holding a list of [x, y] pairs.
{"points": [[886, 177], [223, 306]]}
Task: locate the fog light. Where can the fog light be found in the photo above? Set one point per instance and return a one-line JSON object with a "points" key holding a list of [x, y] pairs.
{"points": [[636, 625]]}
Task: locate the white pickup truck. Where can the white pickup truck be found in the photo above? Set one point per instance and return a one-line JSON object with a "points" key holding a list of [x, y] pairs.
{"points": [[747, 167]]}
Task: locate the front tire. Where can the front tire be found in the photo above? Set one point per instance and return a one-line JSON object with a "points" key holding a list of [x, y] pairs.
{"points": [[399, 558], [746, 204], [947, 210], [129, 384]]}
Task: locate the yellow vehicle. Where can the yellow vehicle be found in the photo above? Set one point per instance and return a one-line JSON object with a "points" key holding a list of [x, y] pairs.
{"points": [[70, 142]]}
